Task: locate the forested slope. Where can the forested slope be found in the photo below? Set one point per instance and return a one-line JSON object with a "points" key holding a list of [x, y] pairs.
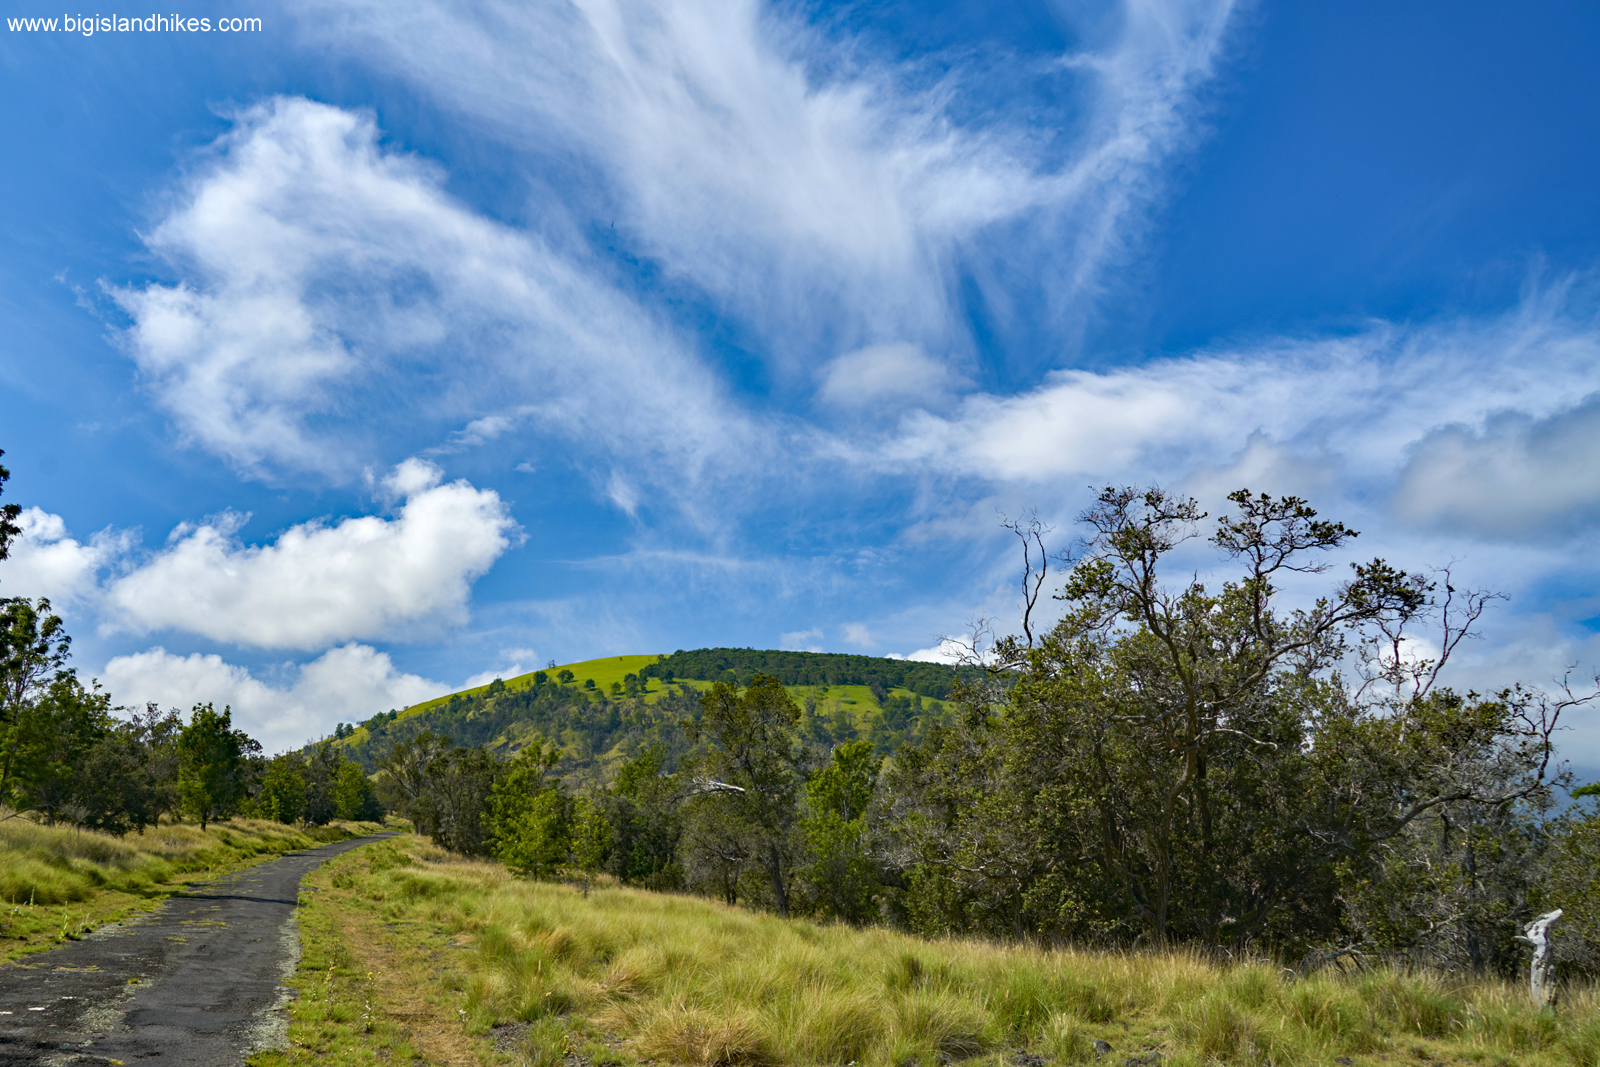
{"points": [[601, 711]]}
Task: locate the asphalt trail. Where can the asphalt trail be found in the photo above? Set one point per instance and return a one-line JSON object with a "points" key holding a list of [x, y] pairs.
{"points": [[199, 982]]}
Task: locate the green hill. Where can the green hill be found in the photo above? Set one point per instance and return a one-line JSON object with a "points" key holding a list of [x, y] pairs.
{"points": [[601, 711]]}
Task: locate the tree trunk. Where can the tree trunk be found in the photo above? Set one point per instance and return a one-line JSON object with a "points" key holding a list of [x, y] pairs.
{"points": [[1539, 974], [775, 869]]}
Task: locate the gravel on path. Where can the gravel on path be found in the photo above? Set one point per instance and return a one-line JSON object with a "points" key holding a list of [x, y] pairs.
{"points": [[199, 982]]}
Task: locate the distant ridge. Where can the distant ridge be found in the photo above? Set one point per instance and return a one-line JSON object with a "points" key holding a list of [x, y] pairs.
{"points": [[807, 668]]}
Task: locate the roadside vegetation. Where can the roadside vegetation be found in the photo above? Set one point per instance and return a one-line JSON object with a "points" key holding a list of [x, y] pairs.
{"points": [[1217, 767], [544, 973], [59, 882]]}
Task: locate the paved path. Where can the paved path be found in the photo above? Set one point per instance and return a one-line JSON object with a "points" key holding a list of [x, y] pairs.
{"points": [[198, 982]]}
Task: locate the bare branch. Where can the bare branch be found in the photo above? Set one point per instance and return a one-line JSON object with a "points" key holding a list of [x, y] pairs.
{"points": [[1030, 531]]}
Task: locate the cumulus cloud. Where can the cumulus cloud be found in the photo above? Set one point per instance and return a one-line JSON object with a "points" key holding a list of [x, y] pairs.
{"points": [[319, 274], [344, 684], [44, 561], [948, 651], [811, 187], [320, 583], [1513, 476]]}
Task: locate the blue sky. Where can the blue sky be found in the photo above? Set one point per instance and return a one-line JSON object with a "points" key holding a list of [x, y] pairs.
{"points": [[394, 346]]}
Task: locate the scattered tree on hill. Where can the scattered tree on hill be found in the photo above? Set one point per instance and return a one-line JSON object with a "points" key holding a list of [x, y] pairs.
{"points": [[737, 665]]}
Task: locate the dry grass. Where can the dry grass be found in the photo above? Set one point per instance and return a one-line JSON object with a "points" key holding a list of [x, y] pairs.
{"points": [[57, 882], [683, 980]]}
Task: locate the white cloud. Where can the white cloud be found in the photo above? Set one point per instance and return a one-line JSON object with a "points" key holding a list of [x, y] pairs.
{"points": [[886, 372], [801, 640], [45, 562], [320, 273], [622, 493], [1513, 476], [812, 189], [1286, 409], [948, 651], [512, 661], [317, 583], [857, 633], [345, 684], [410, 477]]}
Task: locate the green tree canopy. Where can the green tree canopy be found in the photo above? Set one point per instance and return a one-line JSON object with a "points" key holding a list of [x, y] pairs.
{"points": [[213, 764]]}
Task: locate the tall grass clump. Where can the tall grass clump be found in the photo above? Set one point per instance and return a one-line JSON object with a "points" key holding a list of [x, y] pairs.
{"points": [[685, 980]]}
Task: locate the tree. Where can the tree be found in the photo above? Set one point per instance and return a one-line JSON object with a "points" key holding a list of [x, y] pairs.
{"points": [[592, 836], [58, 731], [405, 783], [321, 773], [641, 811], [8, 516], [748, 784], [354, 795], [444, 791], [213, 761], [283, 789], [1187, 762], [840, 867], [529, 814], [1572, 882], [33, 655]]}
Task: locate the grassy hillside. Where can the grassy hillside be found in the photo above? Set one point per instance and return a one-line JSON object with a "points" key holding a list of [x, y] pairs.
{"points": [[547, 975], [602, 671], [597, 725]]}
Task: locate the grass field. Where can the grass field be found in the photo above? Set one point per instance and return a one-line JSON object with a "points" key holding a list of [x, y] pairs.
{"points": [[537, 973], [58, 883]]}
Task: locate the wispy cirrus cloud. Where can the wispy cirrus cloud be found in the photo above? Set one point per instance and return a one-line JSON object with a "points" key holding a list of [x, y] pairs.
{"points": [[828, 197], [322, 279]]}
